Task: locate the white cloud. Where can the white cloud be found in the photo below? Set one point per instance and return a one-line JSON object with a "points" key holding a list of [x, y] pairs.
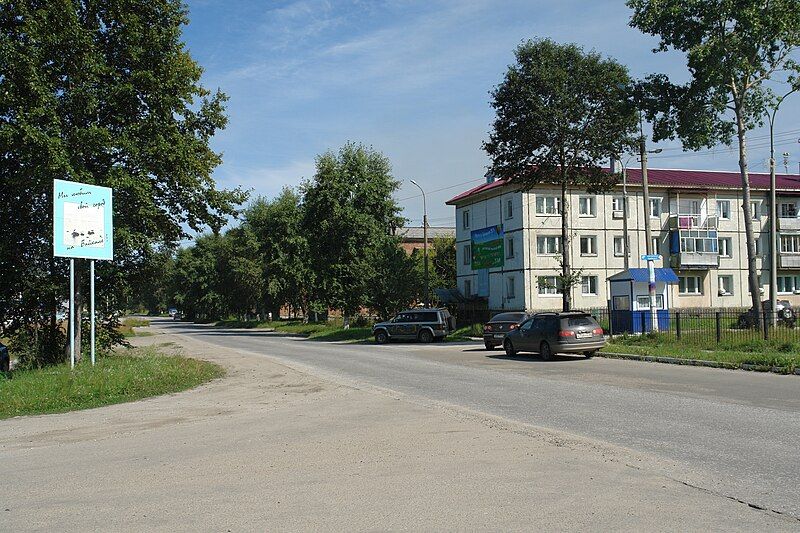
{"points": [[265, 181]]}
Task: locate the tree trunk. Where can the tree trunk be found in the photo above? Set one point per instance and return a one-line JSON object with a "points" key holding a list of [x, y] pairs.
{"points": [[755, 286], [79, 301], [566, 296], [346, 321]]}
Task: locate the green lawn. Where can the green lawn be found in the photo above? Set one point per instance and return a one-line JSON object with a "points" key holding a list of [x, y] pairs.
{"points": [[134, 374], [778, 353]]}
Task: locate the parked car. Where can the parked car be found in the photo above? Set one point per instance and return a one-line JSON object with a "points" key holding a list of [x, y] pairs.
{"points": [[172, 311], [177, 316], [424, 325], [550, 333], [786, 315], [494, 331]]}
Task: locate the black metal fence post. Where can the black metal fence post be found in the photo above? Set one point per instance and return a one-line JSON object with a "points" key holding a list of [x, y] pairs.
{"points": [[766, 326], [718, 318], [678, 324], [644, 323]]}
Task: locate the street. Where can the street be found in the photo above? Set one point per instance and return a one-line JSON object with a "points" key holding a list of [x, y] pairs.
{"points": [[734, 433], [306, 435]]}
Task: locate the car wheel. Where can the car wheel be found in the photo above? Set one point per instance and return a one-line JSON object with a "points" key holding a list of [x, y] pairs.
{"points": [[381, 337], [489, 345], [545, 352], [589, 354], [425, 336], [508, 346]]}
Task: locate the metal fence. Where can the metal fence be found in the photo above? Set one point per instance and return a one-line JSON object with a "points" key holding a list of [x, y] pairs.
{"points": [[694, 326]]}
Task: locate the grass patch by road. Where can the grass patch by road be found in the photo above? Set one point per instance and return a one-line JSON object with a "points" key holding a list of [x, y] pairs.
{"points": [[139, 373], [313, 330], [773, 353], [127, 325]]}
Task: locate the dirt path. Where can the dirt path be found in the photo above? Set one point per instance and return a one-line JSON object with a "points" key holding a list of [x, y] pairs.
{"points": [[269, 447]]}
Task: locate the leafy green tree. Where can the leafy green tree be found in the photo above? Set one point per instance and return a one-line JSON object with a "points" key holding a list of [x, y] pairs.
{"points": [[733, 49], [102, 92], [443, 262], [197, 286], [560, 113], [277, 227], [240, 264], [348, 211], [397, 278]]}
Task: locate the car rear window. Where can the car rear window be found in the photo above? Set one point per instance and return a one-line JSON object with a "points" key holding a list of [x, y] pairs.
{"points": [[508, 317], [580, 321]]}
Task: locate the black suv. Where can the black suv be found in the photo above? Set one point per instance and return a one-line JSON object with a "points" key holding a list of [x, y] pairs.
{"points": [[424, 325]]}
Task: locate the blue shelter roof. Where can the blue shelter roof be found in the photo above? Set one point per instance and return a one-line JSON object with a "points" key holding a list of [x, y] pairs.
{"points": [[666, 275]]}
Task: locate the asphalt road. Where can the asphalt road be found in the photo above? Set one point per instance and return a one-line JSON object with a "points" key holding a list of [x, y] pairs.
{"points": [[732, 433]]}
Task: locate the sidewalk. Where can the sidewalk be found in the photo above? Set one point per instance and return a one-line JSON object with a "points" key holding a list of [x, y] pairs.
{"points": [[271, 448]]}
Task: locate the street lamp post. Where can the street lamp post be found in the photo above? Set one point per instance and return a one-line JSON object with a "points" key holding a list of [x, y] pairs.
{"points": [[424, 241], [773, 214]]}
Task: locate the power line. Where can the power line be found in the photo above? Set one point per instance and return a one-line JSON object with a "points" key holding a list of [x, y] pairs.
{"points": [[441, 189]]}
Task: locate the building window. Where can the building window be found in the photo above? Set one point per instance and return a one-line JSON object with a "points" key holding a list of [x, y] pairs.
{"points": [[701, 245], [548, 285], [465, 219], [468, 255], [758, 245], [690, 285], [655, 245], [510, 288], [587, 206], [509, 209], [644, 301], [790, 244], [509, 247], [589, 285], [788, 284], [548, 205], [788, 210], [724, 209], [725, 285], [548, 245], [619, 246], [655, 207], [755, 210], [589, 245], [726, 247], [617, 203], [467, 288]]}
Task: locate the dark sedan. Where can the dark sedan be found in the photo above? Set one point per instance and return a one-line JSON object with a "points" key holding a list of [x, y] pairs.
{"points": [[550, 333], [494, 331]]}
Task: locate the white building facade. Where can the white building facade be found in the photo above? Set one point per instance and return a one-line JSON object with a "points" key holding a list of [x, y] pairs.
{"points": [[696, 222]]}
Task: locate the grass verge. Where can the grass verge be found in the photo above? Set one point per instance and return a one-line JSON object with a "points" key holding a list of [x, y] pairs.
{"points": [[773, 353], [127, 325], [139, 373]]}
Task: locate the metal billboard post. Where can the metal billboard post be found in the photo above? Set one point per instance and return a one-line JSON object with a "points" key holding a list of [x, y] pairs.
{"points": [[91, 304], [72, 313]]}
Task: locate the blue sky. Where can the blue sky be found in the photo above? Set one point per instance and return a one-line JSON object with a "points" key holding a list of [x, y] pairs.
{"points": [[410, 78]]}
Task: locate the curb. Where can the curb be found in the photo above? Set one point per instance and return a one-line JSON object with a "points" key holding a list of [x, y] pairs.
{"points": [[700, 362]]}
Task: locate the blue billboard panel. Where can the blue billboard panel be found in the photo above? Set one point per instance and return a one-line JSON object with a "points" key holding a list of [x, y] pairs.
{"points": [[82, 221]]}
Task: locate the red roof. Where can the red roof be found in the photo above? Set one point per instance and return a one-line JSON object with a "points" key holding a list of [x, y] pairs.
{"points": [[678, 178]]}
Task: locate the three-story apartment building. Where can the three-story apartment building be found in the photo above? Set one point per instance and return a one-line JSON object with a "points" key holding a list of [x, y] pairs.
{"points": [[696, 222]]}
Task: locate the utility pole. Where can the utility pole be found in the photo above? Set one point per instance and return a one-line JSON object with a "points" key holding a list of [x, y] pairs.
{"points": [[648, 244], [424, 241], [626, 250]]}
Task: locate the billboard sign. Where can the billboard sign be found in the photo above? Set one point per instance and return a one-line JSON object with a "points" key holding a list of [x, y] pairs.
{"points": [[487, 248], [82, 221]]}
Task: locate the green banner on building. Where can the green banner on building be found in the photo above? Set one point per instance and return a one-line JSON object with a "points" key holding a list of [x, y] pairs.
{"points": [[488, 249]]}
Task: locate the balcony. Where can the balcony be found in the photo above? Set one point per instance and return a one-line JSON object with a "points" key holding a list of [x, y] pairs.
{"points": [[695, 260], [788, 224], [693, 221], [788, 260]]}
